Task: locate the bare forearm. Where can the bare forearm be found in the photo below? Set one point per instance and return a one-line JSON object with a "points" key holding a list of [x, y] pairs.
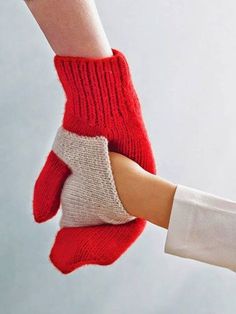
{"points": [[143, 195], [72, 27]]}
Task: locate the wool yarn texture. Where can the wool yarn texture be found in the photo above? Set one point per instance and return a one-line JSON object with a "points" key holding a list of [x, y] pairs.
{"points": [[101, 103]]}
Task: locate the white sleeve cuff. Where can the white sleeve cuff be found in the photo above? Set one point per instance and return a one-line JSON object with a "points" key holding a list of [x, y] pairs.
{"points": [[202, 227]]}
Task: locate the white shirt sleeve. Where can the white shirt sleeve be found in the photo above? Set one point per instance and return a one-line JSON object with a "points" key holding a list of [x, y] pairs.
{"points": [[202, 227]]}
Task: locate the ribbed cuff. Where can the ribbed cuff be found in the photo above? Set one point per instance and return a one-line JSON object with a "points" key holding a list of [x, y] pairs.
{"points": [[98, 90], [202, 227]]}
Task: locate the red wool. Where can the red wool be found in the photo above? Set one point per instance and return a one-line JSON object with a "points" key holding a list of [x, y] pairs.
{"points": [[100, 100]]}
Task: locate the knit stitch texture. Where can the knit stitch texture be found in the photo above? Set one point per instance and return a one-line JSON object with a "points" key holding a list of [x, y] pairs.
{"points": [[89, 196], [100, 101]]}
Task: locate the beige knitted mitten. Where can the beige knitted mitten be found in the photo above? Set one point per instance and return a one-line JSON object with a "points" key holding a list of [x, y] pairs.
{"points": [[89, 196]]}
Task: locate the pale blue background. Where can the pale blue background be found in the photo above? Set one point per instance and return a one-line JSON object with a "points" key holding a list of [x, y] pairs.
{"points": [[182, 56]]}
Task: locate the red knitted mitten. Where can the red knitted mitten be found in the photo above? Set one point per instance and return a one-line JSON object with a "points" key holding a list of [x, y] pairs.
{"points": [[100, 101]]}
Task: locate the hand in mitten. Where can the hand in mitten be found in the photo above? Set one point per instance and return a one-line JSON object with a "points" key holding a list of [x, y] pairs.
{"points": [[89, 196], [103, 111]]}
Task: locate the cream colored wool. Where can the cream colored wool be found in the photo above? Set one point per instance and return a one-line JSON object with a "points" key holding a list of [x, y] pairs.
{"points": [[89, 196]]}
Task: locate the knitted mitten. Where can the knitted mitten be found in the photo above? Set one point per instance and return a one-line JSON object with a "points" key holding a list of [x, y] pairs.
{"points": [[89, 196], [100, 101]]}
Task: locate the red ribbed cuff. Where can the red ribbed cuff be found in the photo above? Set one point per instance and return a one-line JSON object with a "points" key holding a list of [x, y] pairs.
{"points": [[98, 90]]}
